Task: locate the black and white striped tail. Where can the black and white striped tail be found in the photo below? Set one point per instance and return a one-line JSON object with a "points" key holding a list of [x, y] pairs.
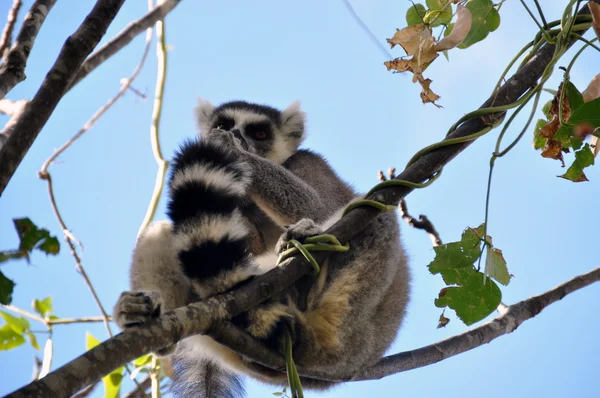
{"points": [[207, 186]]}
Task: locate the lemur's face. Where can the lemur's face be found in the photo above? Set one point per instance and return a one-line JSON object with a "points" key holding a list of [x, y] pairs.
{"points": [[263, 130]]}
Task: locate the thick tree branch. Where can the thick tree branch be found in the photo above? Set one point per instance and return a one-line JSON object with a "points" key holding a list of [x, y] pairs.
{"points": [[12, 70], [36, 114], [124, 38], [11, 19]]}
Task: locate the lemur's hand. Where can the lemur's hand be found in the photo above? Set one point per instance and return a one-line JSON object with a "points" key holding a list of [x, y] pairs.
{"points": [[228, 139]]}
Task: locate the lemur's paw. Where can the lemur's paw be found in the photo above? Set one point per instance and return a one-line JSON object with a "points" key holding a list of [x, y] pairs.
{"points": [[299, 231], [228, 139], [137, 307]]}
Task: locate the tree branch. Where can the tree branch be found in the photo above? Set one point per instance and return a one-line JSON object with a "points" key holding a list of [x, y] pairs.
{"points": [[124, 38], [199, 317], [11, 19], [12, 70]]}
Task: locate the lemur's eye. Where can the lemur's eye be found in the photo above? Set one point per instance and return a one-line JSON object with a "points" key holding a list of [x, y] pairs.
{"points": [[259, 135], [224, 123], [258, 131]]}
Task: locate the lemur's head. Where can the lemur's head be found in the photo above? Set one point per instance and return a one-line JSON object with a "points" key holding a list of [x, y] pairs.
{"points": [[266, 131]]}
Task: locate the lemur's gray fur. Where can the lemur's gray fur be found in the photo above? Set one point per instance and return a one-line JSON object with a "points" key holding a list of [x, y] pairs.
{"points": [[237, 195]]}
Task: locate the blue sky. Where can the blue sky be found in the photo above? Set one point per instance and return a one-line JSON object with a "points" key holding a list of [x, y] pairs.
{"points": [[363, 119]]}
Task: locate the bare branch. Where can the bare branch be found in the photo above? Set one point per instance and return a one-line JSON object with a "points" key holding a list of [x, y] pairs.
{"points": [[163, 165], [11, 19], [124, 38], [36, 114], [12, 70], [145, 384], [504, 324], [422, 223]]}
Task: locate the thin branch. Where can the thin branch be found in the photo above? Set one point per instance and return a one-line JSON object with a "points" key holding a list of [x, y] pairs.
{"points": [[199, 317], [145, 384], [70, 242], [124, 38], [26, 314], [12, 70], [422, 223], [76, 48], [367, 31], [85, 319], [11, 19], [504, 324], [163, 165]]}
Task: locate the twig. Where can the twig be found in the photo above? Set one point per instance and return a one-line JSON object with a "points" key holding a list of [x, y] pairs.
{"points": [[124, 38], [36, 114], [145, 384], [11, 19], [24, 313], [366, 29], [78, 264], [163, 165], [57, 321], [12, 70], [422, 223]]}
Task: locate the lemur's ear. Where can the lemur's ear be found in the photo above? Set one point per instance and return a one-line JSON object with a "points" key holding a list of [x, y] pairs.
{"points": [[292, 122], [204, 111]]}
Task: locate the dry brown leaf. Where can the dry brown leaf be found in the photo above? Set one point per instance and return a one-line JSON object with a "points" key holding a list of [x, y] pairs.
{"points": [[592, 91], [553, 150], [426, 94], [550, 128], [459, 32], [595, 11], [410, 38]]}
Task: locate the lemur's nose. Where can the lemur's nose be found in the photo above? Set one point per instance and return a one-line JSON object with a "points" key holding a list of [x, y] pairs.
{"points": [[238, 134]]}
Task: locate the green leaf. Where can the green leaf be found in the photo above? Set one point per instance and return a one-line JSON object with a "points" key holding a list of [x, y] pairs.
{"points": [[6, 289], [583, 158], [143, 360], [574, 97], [32, 340], [415, 14], [485, 19], [33, 237], [19, 325], [495, 266], [562, 134], [90, 341], [440, 12], [44, 307], [474, 300], [278, 394], [546, 109], [588, 113], [456, 255], [538, 141], [10, 339]]}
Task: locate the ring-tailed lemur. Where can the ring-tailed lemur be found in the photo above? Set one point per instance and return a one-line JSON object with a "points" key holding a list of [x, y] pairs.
{"points": [[233, 194]]}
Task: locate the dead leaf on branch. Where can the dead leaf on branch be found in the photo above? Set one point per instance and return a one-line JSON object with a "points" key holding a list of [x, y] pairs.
{"points": [[418, 42]]}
